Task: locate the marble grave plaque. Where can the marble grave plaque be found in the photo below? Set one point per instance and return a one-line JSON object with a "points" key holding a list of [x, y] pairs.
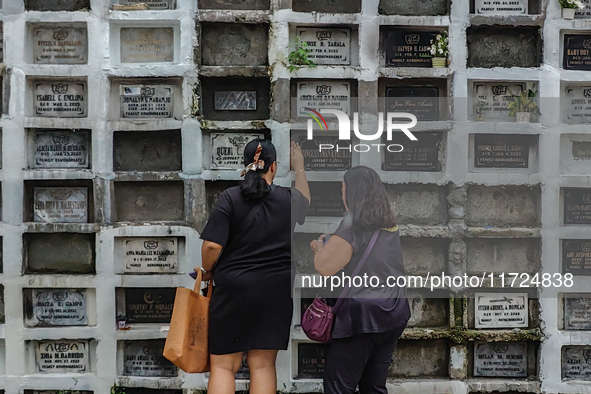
{"points": [[1, 40], [60, 45], [150, 255], [501, 7], [500, 359], [576, 363], [235, 100], [576, 256], [62, 356], [64, 99], [406, 48], [59, 307], [311, 360], [577, 52], [492, 99], [577, 206], [325, 159], [61, 204], [576, 104], [421, 101], [420, 155], [144, 358], [149, 305], [326, 199], [501, 151], [327, 46], [147, 45], [227, 149], [61, 149], [585, 13], [577, 311], [146, 101], [323, 94], [152, 4], [501, 310]]}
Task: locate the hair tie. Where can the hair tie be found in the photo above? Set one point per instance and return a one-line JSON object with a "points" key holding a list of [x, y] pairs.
{"points": [[256, 163]]}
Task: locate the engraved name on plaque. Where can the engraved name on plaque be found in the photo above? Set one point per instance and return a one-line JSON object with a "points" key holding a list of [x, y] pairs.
{"points": [[576, 256], [585, 13], [405, 48], [577, 52], [65, 99], [59, 307], [491, 99], [144, 358], [501, 151], [152, 305], [326, 199], [501, 310], [420, 155], [227, 149], [327, 46], [577, 206], [62, 356], [61, 149], [577, 312], [146, 101], [147, 45], [311, 360], [500, 359], [150, 255], [323, 95], [235, 100], [576, 104], [61, 204], [501, 7], [421, 101], [576, 363], [60, 45], [325, 159], [152, 4]]}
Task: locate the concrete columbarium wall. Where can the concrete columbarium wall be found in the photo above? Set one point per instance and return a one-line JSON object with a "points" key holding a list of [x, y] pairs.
{"points": [[114, 153]]}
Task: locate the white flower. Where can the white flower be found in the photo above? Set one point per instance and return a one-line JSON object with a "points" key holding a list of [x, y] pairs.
{"points": [[446, 39], [440, 51], [433, 51], [438, 37]]}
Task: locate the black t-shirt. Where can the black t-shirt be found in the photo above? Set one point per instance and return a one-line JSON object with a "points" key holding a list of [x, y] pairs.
{"points": [[372, 309]]}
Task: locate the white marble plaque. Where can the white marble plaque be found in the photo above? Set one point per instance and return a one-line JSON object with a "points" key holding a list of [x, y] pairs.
{"points": [[152, 4], [501, 310], [144, 358], [501, 7], [500, 359], [327, 46], [1, 42], [147, 45], [59, 307], [61, 204], [493, 98], [62, 356], [235, 100], [61, 149], [60, 45], [65, 99], [150, 255], [321, 94], [146, 101], [576, 104], [577, 312], [227, 149], [585, 12]]}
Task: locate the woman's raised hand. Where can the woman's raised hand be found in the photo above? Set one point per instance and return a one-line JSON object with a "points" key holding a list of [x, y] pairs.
{"points": [[296, 157]]}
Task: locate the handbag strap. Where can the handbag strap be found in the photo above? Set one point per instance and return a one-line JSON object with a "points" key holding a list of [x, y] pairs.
{"points": [[368, 250]]}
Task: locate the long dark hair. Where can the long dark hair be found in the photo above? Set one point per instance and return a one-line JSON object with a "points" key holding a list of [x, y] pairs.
{"points": [[254, 186], [367, 199]]}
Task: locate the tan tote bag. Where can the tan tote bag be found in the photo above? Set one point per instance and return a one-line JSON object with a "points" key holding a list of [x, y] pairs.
{"points": [[186, 344]]}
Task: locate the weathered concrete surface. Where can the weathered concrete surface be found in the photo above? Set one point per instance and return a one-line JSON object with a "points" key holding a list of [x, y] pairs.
{"points": [[63, 253], [56, 5], [2, 315], [414, 359], [414, 8], [503, 255], [501, 47], [332, 6], [419, 204], [147, 150], [234, 4], [428, 311], [506, 206], [423, 255], [229, 44], [149, 201]]}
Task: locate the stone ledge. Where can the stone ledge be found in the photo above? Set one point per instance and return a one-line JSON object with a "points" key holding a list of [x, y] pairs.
{"points": [[58, 174], [127, 176], [513, 232], [234, 16], [510, 21], [234, 71], [414, 72], [32, 227], [461, 336]]}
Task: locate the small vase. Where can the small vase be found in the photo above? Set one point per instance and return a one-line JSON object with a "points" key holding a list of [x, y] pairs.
{"points": [[439, 62], [568, 13], [523, 117]]}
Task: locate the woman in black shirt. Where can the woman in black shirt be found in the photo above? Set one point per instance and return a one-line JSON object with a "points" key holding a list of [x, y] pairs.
{"points": [[251, 305], [372, 317]]}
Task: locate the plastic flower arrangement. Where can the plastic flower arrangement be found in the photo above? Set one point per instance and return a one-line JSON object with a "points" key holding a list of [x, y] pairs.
{"points": [[576, 4], [439, 44]]}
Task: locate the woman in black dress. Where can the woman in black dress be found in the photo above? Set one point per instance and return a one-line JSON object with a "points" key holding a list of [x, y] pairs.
{"points": [[251, 305], [370, 319]]}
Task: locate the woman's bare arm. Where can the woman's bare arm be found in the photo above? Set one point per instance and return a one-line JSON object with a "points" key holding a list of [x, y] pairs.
{"points": [[332, 257]]}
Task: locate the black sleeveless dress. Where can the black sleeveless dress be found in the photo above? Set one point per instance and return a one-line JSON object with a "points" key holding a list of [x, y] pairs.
{"points": [[251, 305]]}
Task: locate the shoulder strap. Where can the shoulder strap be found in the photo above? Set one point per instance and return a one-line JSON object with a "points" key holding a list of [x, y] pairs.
{"points": [[368, 250]]}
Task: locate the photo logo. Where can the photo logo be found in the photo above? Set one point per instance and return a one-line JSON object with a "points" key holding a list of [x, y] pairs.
{"points": [[315, 115], [499, 90], [412, 39], [323, 35]]}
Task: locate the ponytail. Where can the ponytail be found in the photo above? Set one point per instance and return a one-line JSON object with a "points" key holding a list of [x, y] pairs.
{"points": [[254, 187]]}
